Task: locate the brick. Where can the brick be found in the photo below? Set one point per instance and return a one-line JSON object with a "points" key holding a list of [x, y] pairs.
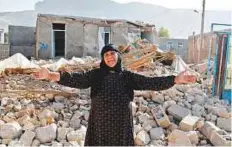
{"points": [[224, 123], [178, 112], [160, 116], [188, 123]]}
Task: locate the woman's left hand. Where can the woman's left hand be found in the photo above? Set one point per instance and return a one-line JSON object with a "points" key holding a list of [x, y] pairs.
{"points": [[185, 78]]}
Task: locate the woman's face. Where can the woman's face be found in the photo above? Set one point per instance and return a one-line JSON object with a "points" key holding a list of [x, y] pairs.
{"points": [[111, 58]]}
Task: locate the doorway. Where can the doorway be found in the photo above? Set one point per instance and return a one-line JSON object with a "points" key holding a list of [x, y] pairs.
{"points": [[58, 40]]}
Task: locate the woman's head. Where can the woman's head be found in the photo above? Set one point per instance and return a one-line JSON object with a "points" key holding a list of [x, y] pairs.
{"points": [[110, 58], [110, 55]]}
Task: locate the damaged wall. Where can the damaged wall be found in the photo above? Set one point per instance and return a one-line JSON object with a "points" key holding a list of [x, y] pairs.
{"points": [[119, 32], [75, 40], [80, 39], [44, 37], [164, 44], [91, 40], [194, 47], [151, 35], [81, 35], [22, 40]]}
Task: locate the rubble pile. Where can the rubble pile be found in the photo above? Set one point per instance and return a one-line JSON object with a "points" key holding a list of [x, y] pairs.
{"points": [[142, 54], [38, 113], [18, 64]]}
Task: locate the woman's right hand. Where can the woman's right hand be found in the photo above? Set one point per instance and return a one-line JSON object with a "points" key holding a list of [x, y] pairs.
{"points": [[43, 73]]}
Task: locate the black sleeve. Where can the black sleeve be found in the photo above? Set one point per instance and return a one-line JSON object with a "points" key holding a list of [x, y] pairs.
{"points": [[76, 80], [140, 82]]}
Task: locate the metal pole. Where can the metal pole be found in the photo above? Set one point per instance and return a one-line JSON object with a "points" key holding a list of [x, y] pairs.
{"points": [[202, 28]]}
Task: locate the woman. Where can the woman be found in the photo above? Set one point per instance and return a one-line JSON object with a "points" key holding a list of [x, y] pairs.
{"points": [[110, 122]]}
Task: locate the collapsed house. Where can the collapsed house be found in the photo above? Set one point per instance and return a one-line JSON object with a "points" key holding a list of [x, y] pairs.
{"points": [[68, 36]]}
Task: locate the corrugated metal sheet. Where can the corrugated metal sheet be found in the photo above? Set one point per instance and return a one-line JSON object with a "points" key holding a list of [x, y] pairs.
{"points": [[4, 51]]}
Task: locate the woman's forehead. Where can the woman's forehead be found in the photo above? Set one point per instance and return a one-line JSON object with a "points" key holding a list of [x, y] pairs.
{"points": [[110, 52]]}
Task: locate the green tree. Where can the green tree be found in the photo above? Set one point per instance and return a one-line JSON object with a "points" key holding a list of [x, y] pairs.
{"points": [[163, 32]]}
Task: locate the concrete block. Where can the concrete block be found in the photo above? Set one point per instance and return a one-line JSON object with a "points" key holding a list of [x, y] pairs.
{"points": [[178, 112], [160, 117], [211, 132], [188, 123]]}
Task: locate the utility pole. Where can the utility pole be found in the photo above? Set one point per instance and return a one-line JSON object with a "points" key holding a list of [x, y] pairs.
{"points": [[202, 29]]}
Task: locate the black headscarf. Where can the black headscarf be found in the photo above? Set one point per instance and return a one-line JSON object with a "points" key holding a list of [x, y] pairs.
{"points": [[117, 67], [104, 69]]}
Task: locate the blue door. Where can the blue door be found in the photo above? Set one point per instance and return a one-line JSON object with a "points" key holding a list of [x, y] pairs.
{"points": [[227, 85]]}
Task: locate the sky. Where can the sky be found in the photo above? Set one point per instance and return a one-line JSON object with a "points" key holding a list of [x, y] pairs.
{"points": [[20, 5]]}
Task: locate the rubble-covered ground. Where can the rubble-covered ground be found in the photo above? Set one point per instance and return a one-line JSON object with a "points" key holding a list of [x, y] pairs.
{"points": [[42, 113]]}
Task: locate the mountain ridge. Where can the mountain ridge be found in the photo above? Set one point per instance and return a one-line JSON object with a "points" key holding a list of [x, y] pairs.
{"points": [[180, 22]]}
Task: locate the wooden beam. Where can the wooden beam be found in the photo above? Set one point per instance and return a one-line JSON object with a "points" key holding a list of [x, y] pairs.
{"points": [[25, 92]]}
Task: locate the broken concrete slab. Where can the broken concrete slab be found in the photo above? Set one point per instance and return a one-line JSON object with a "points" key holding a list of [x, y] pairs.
{"points": [[188, 123], [178, 112]]}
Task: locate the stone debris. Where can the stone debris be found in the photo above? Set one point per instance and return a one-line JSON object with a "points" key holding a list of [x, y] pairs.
{"points": [[46, 134], [142, 138], [178, 112], [157, 133], [10, 130], [43, 113], [178, 138], [62, 133], [224, 123], [193, 136], [188, 123], [27, 138]]}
